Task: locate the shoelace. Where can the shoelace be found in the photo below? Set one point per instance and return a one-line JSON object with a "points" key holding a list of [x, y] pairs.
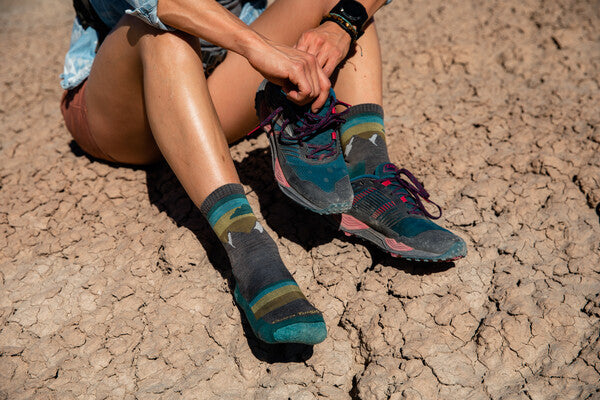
{"points": [[311, 125], [414, 189]]}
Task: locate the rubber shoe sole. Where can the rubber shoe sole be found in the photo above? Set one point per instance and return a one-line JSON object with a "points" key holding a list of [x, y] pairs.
{"points": [[353, 227]]}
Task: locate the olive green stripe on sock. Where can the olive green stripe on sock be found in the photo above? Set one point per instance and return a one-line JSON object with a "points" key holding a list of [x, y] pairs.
{"points": [[277, 302], [274, 294], [368, 128], [227, 216], [242, 223]]}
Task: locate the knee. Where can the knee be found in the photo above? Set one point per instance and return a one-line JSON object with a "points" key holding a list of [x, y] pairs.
{"points": [[150, 40], [170, 47]]}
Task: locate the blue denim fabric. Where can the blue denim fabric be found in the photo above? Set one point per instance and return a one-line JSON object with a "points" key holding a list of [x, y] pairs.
{"points": [[79, 58]]}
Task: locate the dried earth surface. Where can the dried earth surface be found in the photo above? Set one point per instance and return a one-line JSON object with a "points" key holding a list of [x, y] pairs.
{"points": [[112, 285]]}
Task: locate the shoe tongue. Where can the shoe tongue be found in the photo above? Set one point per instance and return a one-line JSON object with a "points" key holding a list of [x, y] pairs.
{"points": [[325, 136], [330, 99], [325, 109], [306, 108], [386, 170]]}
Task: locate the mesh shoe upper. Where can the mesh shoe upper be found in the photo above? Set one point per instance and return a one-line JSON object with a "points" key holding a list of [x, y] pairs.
{"points": [[389, 201], [306, 148]]}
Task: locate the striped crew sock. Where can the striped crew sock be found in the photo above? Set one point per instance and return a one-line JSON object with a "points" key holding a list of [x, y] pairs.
{"points": [[273, 303], [363, 139]]}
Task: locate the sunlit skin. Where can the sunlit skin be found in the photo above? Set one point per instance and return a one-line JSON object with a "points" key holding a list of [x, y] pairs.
{"points": [[147, 96]]}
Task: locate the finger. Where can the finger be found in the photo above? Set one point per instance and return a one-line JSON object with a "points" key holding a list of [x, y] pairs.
{"points": [[302, 93], [305, 42], [322, 58], [329, 67], [314, 74], [314, 49], [310, 76], [301, 45], [324, 85]]}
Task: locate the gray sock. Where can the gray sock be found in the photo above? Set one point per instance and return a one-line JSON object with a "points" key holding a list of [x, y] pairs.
{"points": [[363, 139], [269, 294]]}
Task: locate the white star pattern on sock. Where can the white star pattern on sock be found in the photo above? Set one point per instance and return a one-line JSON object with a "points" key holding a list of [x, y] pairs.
{"points": [[349, 146]]}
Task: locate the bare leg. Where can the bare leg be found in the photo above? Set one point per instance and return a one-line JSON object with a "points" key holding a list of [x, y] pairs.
{"points": [[147, 96], [359, 80], [233, 84]]}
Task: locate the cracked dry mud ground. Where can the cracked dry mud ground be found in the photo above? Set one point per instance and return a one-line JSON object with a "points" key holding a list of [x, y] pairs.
{"points": [[112, 286]]}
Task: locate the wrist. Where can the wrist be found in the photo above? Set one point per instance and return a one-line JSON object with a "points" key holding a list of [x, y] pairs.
{"points": [[343, 24], [248, 42], [336, 29]]}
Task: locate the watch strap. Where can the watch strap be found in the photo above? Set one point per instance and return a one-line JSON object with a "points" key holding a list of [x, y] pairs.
{"points": [[353, 12], [344, 24]]}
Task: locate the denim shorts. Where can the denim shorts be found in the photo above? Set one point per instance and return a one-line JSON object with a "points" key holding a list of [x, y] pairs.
{"points": [[82, 50]]}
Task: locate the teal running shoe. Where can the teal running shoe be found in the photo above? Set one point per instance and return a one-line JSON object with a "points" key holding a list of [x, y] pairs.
{"points": [[305, 150], [388, 211]]}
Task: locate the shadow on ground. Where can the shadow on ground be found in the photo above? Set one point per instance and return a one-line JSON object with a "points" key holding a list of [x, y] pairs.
{"points": [[287, 219], [167, 194]]}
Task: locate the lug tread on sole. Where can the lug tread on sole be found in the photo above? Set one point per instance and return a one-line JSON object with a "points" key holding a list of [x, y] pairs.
{"points": [[408, 258]]}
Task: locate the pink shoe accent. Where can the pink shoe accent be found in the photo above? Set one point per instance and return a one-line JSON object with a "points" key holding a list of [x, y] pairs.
{"points": [[386, 183], [352, 224], [333, 135], [279, 174], [397, 246]]}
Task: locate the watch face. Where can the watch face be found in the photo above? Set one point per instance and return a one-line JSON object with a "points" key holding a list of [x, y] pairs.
{"points": [[353, 11]]}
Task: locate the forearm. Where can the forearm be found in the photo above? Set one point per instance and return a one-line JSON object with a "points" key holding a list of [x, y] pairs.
{"points": [[209, 20]]}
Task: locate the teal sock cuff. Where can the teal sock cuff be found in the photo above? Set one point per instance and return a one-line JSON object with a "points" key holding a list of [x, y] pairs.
{"points": [[219, 194]]}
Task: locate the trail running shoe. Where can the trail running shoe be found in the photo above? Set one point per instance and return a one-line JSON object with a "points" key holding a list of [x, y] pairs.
{"points": [[388, 211], [305, 150]]}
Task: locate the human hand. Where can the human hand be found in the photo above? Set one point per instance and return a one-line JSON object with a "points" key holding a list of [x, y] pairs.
{"points": [[296, 71], [328, 42]]}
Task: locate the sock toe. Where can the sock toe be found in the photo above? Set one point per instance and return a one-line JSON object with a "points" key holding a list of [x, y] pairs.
{"points": [[301, 332]]}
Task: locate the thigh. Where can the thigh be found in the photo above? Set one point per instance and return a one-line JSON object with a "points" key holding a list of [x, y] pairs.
{"points": [[115, 99], [233, 84]]}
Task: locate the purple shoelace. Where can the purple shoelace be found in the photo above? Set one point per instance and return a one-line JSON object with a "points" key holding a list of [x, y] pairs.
{"points": [[311, 125], [414, 189]]}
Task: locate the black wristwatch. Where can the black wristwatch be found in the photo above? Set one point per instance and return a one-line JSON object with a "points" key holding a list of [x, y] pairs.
{"points": [[353, 12]]}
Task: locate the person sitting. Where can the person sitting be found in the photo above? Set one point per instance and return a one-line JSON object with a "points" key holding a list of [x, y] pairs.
{"points": [[178, 79]]}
